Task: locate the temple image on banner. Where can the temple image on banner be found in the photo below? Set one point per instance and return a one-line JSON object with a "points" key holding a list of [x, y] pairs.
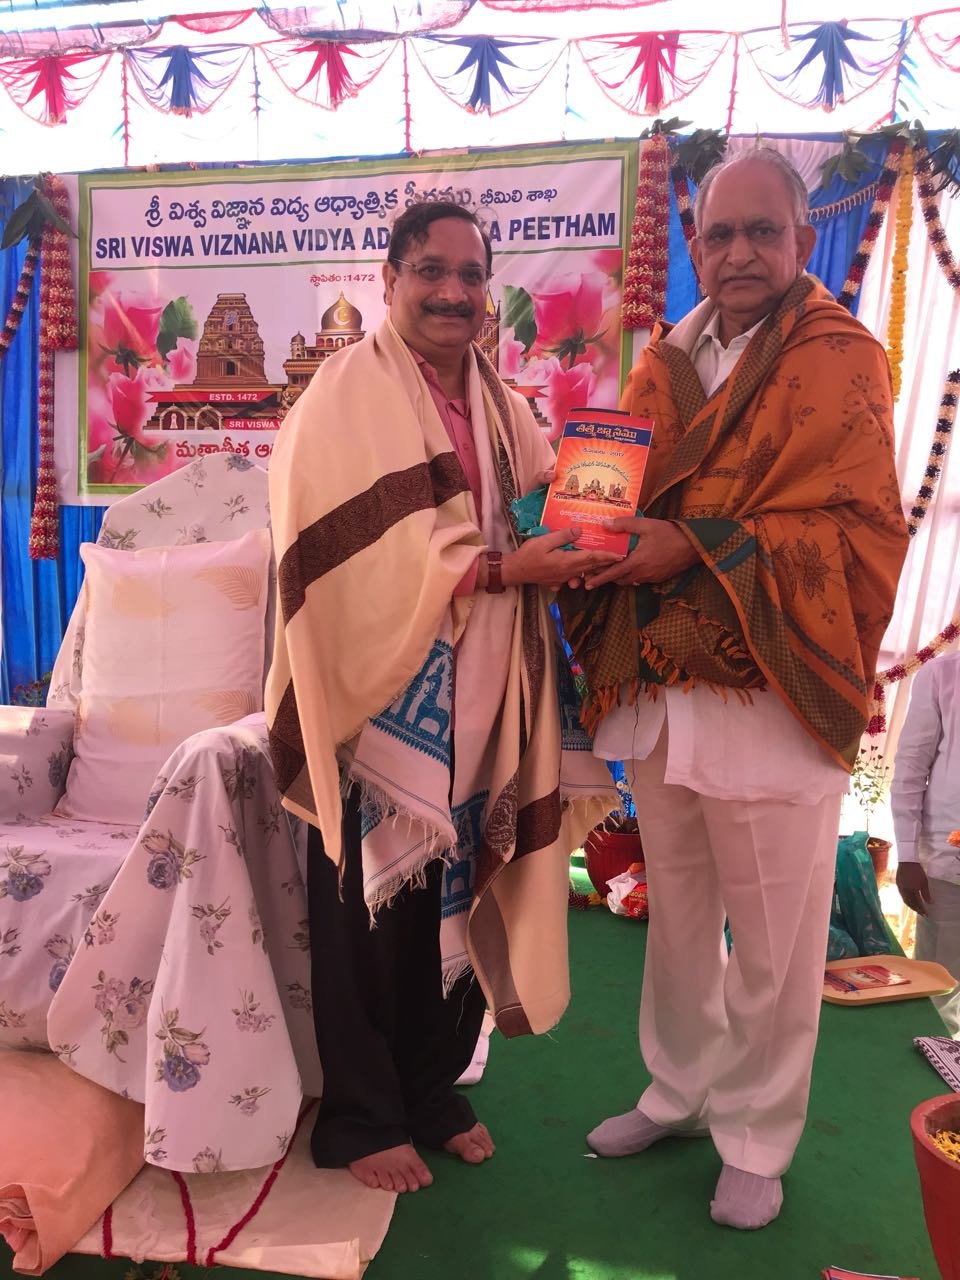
{"points": [[231, 391]]}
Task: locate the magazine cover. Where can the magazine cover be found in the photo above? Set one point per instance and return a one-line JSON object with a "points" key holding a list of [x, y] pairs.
{"points": [[600, 465], [864, 978]]}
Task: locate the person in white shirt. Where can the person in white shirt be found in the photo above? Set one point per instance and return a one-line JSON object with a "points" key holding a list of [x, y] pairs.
{"points": [[729, 659], [925, 798]]}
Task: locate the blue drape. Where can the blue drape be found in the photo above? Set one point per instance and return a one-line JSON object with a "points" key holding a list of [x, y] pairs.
{"points": [[837, 236], [36, 596]]}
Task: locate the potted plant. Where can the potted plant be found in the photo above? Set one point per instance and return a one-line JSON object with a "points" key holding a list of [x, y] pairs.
{"points": [[869, 784], [613, 846]]}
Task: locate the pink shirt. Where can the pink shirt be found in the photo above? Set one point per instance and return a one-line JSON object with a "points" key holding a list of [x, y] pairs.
{"points": [[455, 416]]}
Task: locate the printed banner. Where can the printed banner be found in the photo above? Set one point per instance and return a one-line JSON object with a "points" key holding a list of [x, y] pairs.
{"points": [[209, 298]]}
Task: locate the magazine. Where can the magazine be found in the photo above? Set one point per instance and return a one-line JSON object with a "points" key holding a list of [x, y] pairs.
{"points": [[600, 464], [865, 977]]}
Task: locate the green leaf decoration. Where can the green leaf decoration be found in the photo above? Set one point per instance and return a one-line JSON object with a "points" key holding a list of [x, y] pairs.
{"points": [[943, 163], [177, 321], [700, 152], [18, 224], [50, 216], [520, 315], [29, 219], [673, 125]]}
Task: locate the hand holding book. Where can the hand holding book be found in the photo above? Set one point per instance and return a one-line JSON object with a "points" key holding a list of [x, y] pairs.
{"points": [[663, 551], [544, 561]]}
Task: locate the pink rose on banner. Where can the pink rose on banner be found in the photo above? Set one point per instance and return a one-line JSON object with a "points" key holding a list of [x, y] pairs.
{"points": [[511, 352], [131, 327], [566, 389], [610, 263], [567, 313], [128, 401], [138, 345], [568, 329], [182, 361]]}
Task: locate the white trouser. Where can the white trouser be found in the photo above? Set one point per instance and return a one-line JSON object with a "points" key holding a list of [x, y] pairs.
{"points": [[938, 938], [730, 1043]]}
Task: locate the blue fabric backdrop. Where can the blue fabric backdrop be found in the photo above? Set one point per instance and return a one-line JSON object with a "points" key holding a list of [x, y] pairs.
{"points": [[36, 596], [837, 236]]}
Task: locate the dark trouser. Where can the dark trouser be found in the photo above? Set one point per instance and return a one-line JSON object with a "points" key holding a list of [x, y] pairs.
{"points": [[391, 1047]]}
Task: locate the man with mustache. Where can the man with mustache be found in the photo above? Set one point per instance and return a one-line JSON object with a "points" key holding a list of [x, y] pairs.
{"points": [[730, 657], [413, 710]]}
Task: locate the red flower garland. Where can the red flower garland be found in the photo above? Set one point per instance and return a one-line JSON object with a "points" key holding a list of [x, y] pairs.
{"points": [[941, 439], [681, 190], [931, 216], [58, 332], [878, 717], [20, 298], [878, 212], [645, 279]]}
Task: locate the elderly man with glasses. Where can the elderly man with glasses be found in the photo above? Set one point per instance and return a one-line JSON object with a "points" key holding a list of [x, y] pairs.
{"points": [[413, 710], [730, 659]]}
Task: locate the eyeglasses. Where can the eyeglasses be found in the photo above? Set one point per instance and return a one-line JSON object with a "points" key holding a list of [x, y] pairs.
{"points": [[471, 277], [760, 233]]}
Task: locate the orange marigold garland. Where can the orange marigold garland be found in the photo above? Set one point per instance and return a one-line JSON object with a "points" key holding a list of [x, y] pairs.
{"points": [[875, 219], [898, 291], [645, 280], [58, 332]]}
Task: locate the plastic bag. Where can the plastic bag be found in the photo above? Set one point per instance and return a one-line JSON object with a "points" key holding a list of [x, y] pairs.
{"points": [[628, 894]]}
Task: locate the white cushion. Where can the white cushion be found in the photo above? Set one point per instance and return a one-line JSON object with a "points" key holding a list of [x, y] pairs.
{"points": [[174, 643]]}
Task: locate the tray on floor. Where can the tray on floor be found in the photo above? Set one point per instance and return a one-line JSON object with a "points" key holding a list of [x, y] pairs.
{"points": [[880, 979]]}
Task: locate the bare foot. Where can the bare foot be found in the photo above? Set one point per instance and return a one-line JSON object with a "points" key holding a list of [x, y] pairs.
{"points": [[474, 1146], [396, 1169]]}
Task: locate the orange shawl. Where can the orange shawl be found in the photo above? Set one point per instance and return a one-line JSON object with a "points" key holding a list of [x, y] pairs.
{"points": [[784, 482]]}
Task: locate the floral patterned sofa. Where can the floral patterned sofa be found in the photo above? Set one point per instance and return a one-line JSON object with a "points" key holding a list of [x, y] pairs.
{"points": [[165, 957]]}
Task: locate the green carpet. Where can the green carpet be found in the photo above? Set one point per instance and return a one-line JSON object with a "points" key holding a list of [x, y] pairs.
{"points": [[541, 1208]]}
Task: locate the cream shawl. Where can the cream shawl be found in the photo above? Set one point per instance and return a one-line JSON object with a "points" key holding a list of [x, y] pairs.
{"points": [[374, 526]]}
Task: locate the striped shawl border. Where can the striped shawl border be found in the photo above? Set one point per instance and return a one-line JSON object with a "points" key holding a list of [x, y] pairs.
{"points": [[361, 521]]}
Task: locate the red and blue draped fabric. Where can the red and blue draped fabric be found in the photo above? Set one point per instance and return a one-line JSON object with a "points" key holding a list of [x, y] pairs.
{"points": [[829, 63], [325, 72], [839, 213], [183, 80], [47, 88], [644, 73], [36, 595], [939, 33], [481, 73], [351, 18]]}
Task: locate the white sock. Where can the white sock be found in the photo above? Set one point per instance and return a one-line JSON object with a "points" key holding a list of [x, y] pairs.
{"points": [[625, 1135], [745, 1200]]}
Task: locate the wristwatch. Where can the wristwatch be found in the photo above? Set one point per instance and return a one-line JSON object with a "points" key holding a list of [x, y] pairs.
{"points": [[495, 572]]}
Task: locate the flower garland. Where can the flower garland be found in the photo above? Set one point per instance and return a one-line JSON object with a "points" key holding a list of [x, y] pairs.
{"points": [[878, 718], [645, 279], [941, 439], [20, 298], [58, 332], [948, 409], [898, 290], [681, 191], [875, 219], [931, 216]]}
